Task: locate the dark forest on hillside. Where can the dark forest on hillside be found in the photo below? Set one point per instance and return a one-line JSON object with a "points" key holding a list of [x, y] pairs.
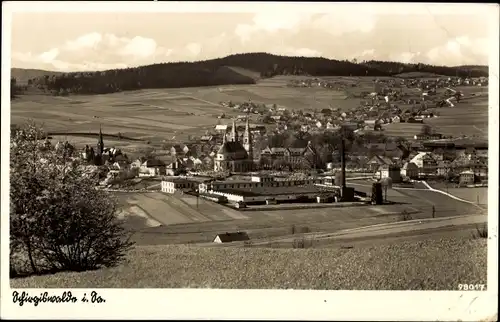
{"points": [[216, 72]]}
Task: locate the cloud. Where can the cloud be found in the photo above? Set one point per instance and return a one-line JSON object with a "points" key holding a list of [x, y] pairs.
{"points": [[406, 57], [337, 23], [96, 51], [194, 49], [366, 54], [270, 22], [340, 22], [460, 51]]}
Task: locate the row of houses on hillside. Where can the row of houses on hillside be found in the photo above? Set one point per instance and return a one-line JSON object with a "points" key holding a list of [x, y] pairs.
{"points": [[424, 164]]}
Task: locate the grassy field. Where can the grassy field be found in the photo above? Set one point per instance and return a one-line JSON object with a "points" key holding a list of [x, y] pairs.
{"points": [[469, 117], [156, 115], [471, 194], [382, 267]]}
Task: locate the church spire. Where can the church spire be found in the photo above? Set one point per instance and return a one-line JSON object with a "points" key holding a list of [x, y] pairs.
{"points": [[234, 133], [100, 143], [247, 139]]}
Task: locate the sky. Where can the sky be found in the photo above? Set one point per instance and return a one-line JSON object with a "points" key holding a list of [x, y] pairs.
{"points": [[93, 40]]}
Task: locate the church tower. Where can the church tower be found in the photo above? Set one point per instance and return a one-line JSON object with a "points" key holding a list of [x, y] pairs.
{"points": [[247, 140], [234, 133], [100, 143]]}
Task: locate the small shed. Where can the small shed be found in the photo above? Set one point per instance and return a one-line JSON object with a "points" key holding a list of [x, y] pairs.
{"points": [[231, 237], [467, 177]]}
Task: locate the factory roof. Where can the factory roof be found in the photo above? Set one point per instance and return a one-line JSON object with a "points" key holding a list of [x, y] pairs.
{"points": [[274, 191]]}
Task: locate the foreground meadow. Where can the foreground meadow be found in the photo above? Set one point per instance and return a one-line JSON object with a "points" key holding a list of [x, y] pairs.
{"points": [[384, 267]]}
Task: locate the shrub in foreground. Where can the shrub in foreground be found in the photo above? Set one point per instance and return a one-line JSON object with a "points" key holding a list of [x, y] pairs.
{"points": [[481, 232], [405, 216], [58, 218]]}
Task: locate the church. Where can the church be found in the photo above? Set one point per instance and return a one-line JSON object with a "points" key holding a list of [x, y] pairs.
{"points": [[234, 155]]}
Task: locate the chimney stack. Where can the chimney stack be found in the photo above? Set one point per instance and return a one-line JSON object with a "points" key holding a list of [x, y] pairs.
{"points": [[342, 161]]}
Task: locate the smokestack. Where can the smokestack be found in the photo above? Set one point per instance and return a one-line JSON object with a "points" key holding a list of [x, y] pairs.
{"points": [[342, 161]]}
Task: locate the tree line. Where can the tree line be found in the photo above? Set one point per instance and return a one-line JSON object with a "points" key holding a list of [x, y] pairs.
{"points": [[214, 72]]}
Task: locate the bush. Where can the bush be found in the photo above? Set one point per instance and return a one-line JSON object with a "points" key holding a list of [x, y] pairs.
{"points": [[481, 232], [405, 216], [298, 243], [58, 218], [302, 243]]}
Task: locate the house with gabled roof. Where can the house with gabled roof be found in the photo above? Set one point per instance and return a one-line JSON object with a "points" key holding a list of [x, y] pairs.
{"points": [[425, 163], [222, 128], [151, 168], [231, 237], [207, 138], [410, 170], [176, 149], [443, 167], [377, 161]]}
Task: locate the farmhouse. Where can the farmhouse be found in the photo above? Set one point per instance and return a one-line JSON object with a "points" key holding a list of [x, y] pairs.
{"points": [[151, 168], [467, 177], [207, 138], [231, 237], [377, 161], [390, 171], [409, 170], [443, 168], [176, 149], [221, 128], [425, 163]]}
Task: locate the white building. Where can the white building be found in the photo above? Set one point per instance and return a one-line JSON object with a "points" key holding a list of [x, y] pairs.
{"points": [[172, 185]]}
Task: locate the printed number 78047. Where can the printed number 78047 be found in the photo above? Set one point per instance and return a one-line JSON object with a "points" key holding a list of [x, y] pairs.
{"points": [[471, 287]]}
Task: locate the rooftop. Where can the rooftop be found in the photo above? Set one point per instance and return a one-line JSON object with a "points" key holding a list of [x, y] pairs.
{"points": [[232, 237], [274, 191]]}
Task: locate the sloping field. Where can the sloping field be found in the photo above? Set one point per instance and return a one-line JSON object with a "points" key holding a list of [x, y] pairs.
{"points": [[384, 267], [423, 200], [164, 114], [471, 194], [469, 117], [404, 130], [171, 210], [264, 223]]}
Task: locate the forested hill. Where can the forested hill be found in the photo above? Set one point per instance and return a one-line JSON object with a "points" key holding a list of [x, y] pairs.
{"points": [[395, 68], [234, 69]]}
